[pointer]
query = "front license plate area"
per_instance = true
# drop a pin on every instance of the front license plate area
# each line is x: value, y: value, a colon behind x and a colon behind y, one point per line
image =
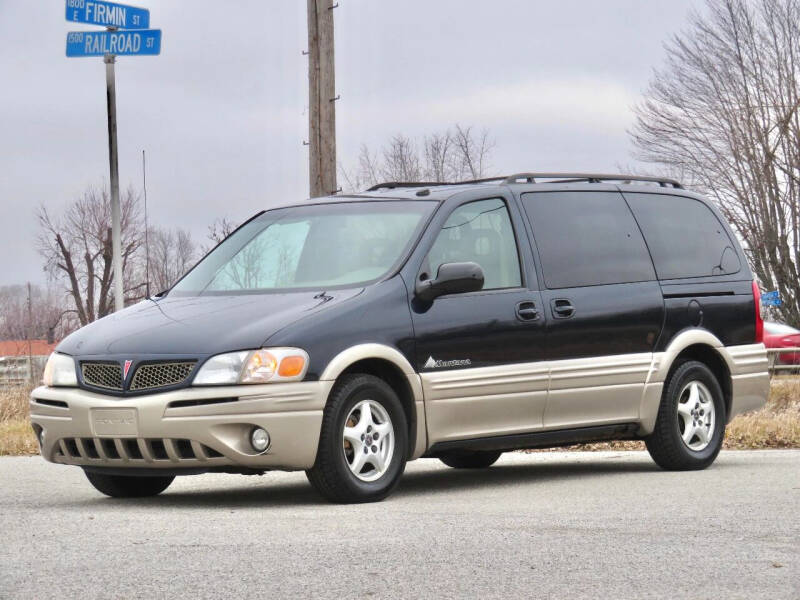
x: 114, y: 422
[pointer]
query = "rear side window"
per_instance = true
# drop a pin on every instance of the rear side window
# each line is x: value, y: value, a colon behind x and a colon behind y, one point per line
x: 587, y: 238
x: 685, y: 237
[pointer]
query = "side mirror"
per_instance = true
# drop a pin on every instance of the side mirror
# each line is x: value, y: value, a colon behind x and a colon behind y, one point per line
x: 452, y: 278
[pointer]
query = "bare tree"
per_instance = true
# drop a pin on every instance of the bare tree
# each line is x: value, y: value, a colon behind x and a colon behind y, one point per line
x: 452, y: 155
x: 401, y: 161
x: 172, y: 253
x: 470, y: 157
x: 438, y: 148
x: 724, y: 110
x: 369, y: 166
x: 76, y: 247
x: 46, y: 319
x: 218, y: 231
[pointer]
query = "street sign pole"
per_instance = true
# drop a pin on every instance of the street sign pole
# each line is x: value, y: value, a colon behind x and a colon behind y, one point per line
x: 135, y: 39
x: 116, y: 227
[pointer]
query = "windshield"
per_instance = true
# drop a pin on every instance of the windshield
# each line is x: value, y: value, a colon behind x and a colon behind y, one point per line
x: 318, y: 246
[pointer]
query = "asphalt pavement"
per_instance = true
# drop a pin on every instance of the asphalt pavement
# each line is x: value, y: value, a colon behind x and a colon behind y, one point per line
x: 558, y: 525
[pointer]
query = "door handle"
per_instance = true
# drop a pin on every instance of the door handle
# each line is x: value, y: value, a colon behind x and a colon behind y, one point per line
x: 526, y: 311
x: 562, y: 308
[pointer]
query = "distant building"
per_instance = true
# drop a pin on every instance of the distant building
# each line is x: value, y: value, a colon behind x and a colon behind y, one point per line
x: 21, y: 363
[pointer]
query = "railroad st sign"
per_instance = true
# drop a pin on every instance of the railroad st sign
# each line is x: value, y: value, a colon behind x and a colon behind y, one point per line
x: 126, y: 34
x: 107, y: 14
x: 771, y: 298
x: 120, y: 43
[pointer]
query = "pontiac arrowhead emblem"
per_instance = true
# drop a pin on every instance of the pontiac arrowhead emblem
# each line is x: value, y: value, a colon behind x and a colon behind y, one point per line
x: 126, y: 368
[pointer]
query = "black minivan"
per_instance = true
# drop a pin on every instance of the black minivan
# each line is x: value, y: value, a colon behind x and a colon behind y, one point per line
x: 347, y: 335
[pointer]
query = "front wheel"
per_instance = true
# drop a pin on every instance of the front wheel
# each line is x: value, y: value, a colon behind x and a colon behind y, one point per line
x: 119, y: 486
x: 691, y: 420
x: 363, y: 442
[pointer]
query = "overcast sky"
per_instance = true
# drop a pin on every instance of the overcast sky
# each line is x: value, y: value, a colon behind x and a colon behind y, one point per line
x: 222, y: 112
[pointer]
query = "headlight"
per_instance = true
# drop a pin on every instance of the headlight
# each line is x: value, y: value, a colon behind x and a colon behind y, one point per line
x: 254, y: 366
x: 60, y: 371
x: 221, y: 369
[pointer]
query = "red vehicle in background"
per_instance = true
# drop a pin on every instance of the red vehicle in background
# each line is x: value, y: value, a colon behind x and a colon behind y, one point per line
x: 778, y: 335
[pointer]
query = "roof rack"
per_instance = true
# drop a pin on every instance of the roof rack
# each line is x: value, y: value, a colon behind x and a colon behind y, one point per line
x: 531, y: 178
x: 390, y: 185
x: 589, y: 178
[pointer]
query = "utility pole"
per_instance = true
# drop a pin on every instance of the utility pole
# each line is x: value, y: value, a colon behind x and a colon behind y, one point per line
x: 146, y: 232
x: 321, y: 99
x: 116, y: 229
x: 28, y: 334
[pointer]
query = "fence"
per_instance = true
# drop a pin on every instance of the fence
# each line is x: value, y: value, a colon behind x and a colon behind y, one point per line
x: 775, y: 367
x: 20, y: 370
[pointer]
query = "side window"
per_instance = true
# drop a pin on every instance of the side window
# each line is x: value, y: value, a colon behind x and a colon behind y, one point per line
x: 480, y: 232
x: 685, y: 238
x: 587, y: 238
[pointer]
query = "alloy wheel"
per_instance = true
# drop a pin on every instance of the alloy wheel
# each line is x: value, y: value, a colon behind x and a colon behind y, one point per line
x: 368, y: 440
x: 696, y: 415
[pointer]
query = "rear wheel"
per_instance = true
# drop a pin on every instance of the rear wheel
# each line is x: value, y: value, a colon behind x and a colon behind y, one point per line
x: 363, y: 442
x: 691, y: 420
x: 465, y: 459
x: 120, y: 486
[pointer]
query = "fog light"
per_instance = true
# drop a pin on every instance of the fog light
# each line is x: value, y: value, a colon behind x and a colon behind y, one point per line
x: 259, y: 439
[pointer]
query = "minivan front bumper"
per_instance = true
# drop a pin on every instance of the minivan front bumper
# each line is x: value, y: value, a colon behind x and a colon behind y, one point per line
x: 196, y: 429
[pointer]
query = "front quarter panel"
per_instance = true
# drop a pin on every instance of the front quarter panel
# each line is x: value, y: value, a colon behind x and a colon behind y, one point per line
x: 379, y: 315
x: 376, y: 325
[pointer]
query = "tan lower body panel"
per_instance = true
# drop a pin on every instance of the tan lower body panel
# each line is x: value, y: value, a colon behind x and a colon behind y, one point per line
x: 484, y: 401
x: 422, y: 429
x: 648, y: 410
x: 749, y: 392
x: 146, y: 431
x: 593, y: 406
x: 749, y: 378
x: 596, y: 390
x: 490, y: 401
x: 747, y: 364
x: 627, y: 388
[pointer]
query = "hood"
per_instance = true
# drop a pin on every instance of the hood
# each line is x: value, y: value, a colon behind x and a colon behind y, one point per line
x: 197, y: 325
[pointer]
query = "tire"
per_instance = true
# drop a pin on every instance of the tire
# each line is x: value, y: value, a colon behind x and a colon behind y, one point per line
x: 465, y: 459
x: 334, y: 474
x: 666, y: 444
x: 120, y: 486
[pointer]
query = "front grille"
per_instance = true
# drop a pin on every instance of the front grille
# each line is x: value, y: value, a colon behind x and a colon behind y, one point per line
x: 128, y: 449
x: 103, y: 375
x: 157, y: 375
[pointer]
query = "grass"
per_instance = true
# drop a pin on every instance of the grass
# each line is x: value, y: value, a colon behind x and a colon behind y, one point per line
x: 16, y: 439
x: 16, y: 435
x: 777, y: 425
